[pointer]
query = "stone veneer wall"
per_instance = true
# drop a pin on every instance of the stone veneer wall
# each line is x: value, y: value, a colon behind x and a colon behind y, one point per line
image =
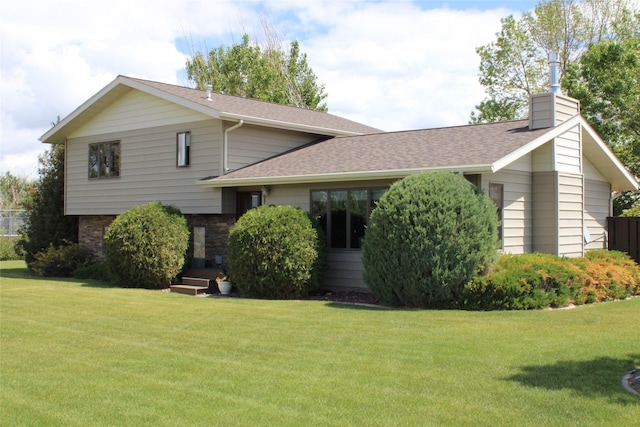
x: 216, y: 232
x: 91, y: 229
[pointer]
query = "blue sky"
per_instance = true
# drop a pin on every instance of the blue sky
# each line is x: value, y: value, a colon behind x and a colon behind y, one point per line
x: 391, y: 64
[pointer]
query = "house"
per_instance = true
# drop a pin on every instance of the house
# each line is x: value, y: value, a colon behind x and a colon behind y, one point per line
x: 215, y: 156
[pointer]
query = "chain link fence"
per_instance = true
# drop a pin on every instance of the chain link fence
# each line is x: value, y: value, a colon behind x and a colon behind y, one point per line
x: 10, y: 222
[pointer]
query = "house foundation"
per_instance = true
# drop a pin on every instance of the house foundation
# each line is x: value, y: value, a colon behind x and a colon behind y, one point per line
x: 92, y: 228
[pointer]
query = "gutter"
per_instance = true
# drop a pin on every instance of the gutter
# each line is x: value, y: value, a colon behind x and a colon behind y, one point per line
x: 220, y: 182
x: 225, y: 146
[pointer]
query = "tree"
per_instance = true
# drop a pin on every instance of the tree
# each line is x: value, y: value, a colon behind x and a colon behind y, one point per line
x: 45, y: 222
x: 266, y: 72
x: 15, y: 191
x: 606, y: 80
x: 514, y: 66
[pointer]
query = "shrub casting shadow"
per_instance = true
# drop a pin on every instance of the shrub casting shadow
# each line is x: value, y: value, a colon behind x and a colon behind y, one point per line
x: 597, y: 378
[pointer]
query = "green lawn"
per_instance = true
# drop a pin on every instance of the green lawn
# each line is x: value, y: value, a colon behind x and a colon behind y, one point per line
x: 80, y: 353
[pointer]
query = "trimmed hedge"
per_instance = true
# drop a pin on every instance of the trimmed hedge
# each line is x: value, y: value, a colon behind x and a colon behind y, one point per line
x: 427, y: 237
x: 532, y: 281
x: 146, y: 245
x: 275, y: 252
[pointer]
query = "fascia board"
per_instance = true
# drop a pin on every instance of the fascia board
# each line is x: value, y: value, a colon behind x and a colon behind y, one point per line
x: 535, y: 143
x: 48, y: 135
x: 286, y: 125
x: 600, y: 144
x: 221, y: 182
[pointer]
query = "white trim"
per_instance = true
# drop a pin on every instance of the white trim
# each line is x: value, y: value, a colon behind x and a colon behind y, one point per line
x: 332, y: 177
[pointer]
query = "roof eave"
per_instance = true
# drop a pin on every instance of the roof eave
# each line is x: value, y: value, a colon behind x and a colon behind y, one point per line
x: 288, y: 125
x: 223, y: 182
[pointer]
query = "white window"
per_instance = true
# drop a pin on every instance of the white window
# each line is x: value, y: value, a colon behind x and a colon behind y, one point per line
x: 184, y: 146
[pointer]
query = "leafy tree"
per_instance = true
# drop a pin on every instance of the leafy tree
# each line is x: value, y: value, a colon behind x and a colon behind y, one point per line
x: 45, y: 222
x: 15, y: 191
x: 514, y: 66
x: 267, y: 72
x: 606, y: 80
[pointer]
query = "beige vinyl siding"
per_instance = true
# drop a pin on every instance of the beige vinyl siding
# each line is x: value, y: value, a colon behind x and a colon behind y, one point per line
x: 345, y: 271
x: 570, y: 214
x: 137, y: 110
x: 597, y: 202
x: 250, y: 144
x: 550, y: 109
x: 568, y: 151
x: 542, y: 158
x: 148, y: 171
x: 517, y: 221
x: 545, y: 212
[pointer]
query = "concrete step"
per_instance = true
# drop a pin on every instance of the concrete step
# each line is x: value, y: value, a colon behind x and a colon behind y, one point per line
x: 188, y: 289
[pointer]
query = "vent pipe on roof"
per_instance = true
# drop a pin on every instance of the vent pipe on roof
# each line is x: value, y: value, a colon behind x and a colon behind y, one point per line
x: 554, y: 72
x: 209, y: 89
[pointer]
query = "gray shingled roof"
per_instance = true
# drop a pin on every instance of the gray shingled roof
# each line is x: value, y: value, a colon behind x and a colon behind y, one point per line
x: 461, y: 147
x: 251, y: 108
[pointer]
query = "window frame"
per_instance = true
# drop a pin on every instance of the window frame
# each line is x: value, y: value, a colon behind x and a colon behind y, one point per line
x: 183, y: 152
x: 111, y: 163
x: 349, y: 232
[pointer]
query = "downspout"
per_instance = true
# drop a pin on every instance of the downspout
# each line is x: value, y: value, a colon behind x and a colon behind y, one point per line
x: 225, y: 146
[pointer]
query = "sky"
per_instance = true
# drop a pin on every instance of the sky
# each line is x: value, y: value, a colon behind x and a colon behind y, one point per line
x: 394, y: 65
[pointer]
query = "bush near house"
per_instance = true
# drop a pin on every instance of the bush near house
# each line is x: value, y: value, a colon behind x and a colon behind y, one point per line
x: 146, y: 245
x: 59, y: 261
x: 275, y: 252
x: 428, y: 236
x: 532, y: 281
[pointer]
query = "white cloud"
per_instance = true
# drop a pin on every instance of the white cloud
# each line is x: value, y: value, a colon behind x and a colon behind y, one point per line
x: 393, y: 65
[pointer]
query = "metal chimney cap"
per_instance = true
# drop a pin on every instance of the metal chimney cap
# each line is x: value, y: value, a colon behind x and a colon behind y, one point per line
x: 554, y: 72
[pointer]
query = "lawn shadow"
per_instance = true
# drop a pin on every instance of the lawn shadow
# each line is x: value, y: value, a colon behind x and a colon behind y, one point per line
x: 597, y: 378
x: 19, y: 273
x: 357, y: 306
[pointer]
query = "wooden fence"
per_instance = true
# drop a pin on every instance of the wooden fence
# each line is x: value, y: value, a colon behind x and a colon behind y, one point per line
x: 624, y: 235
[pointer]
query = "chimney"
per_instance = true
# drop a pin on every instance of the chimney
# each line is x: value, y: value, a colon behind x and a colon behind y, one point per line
x: 209, y: 89
x: 554, y: 72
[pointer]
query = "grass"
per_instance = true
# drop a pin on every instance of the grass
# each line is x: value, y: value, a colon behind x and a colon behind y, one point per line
x: 81, y: 353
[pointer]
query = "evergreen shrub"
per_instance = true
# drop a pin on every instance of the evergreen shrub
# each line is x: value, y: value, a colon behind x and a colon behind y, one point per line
x: 526, y: 281
x: 59, y: 261
x: 427, y: 237
x: 532, y: 281
x: 275, y: 252
x: 145, y: 246
x: 8, y: 250
x: 610, y: 275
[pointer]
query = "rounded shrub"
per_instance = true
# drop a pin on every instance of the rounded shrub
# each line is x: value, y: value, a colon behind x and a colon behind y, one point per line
x: 275, y: 252
x: 145, y: 246
x: 428, y: 236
